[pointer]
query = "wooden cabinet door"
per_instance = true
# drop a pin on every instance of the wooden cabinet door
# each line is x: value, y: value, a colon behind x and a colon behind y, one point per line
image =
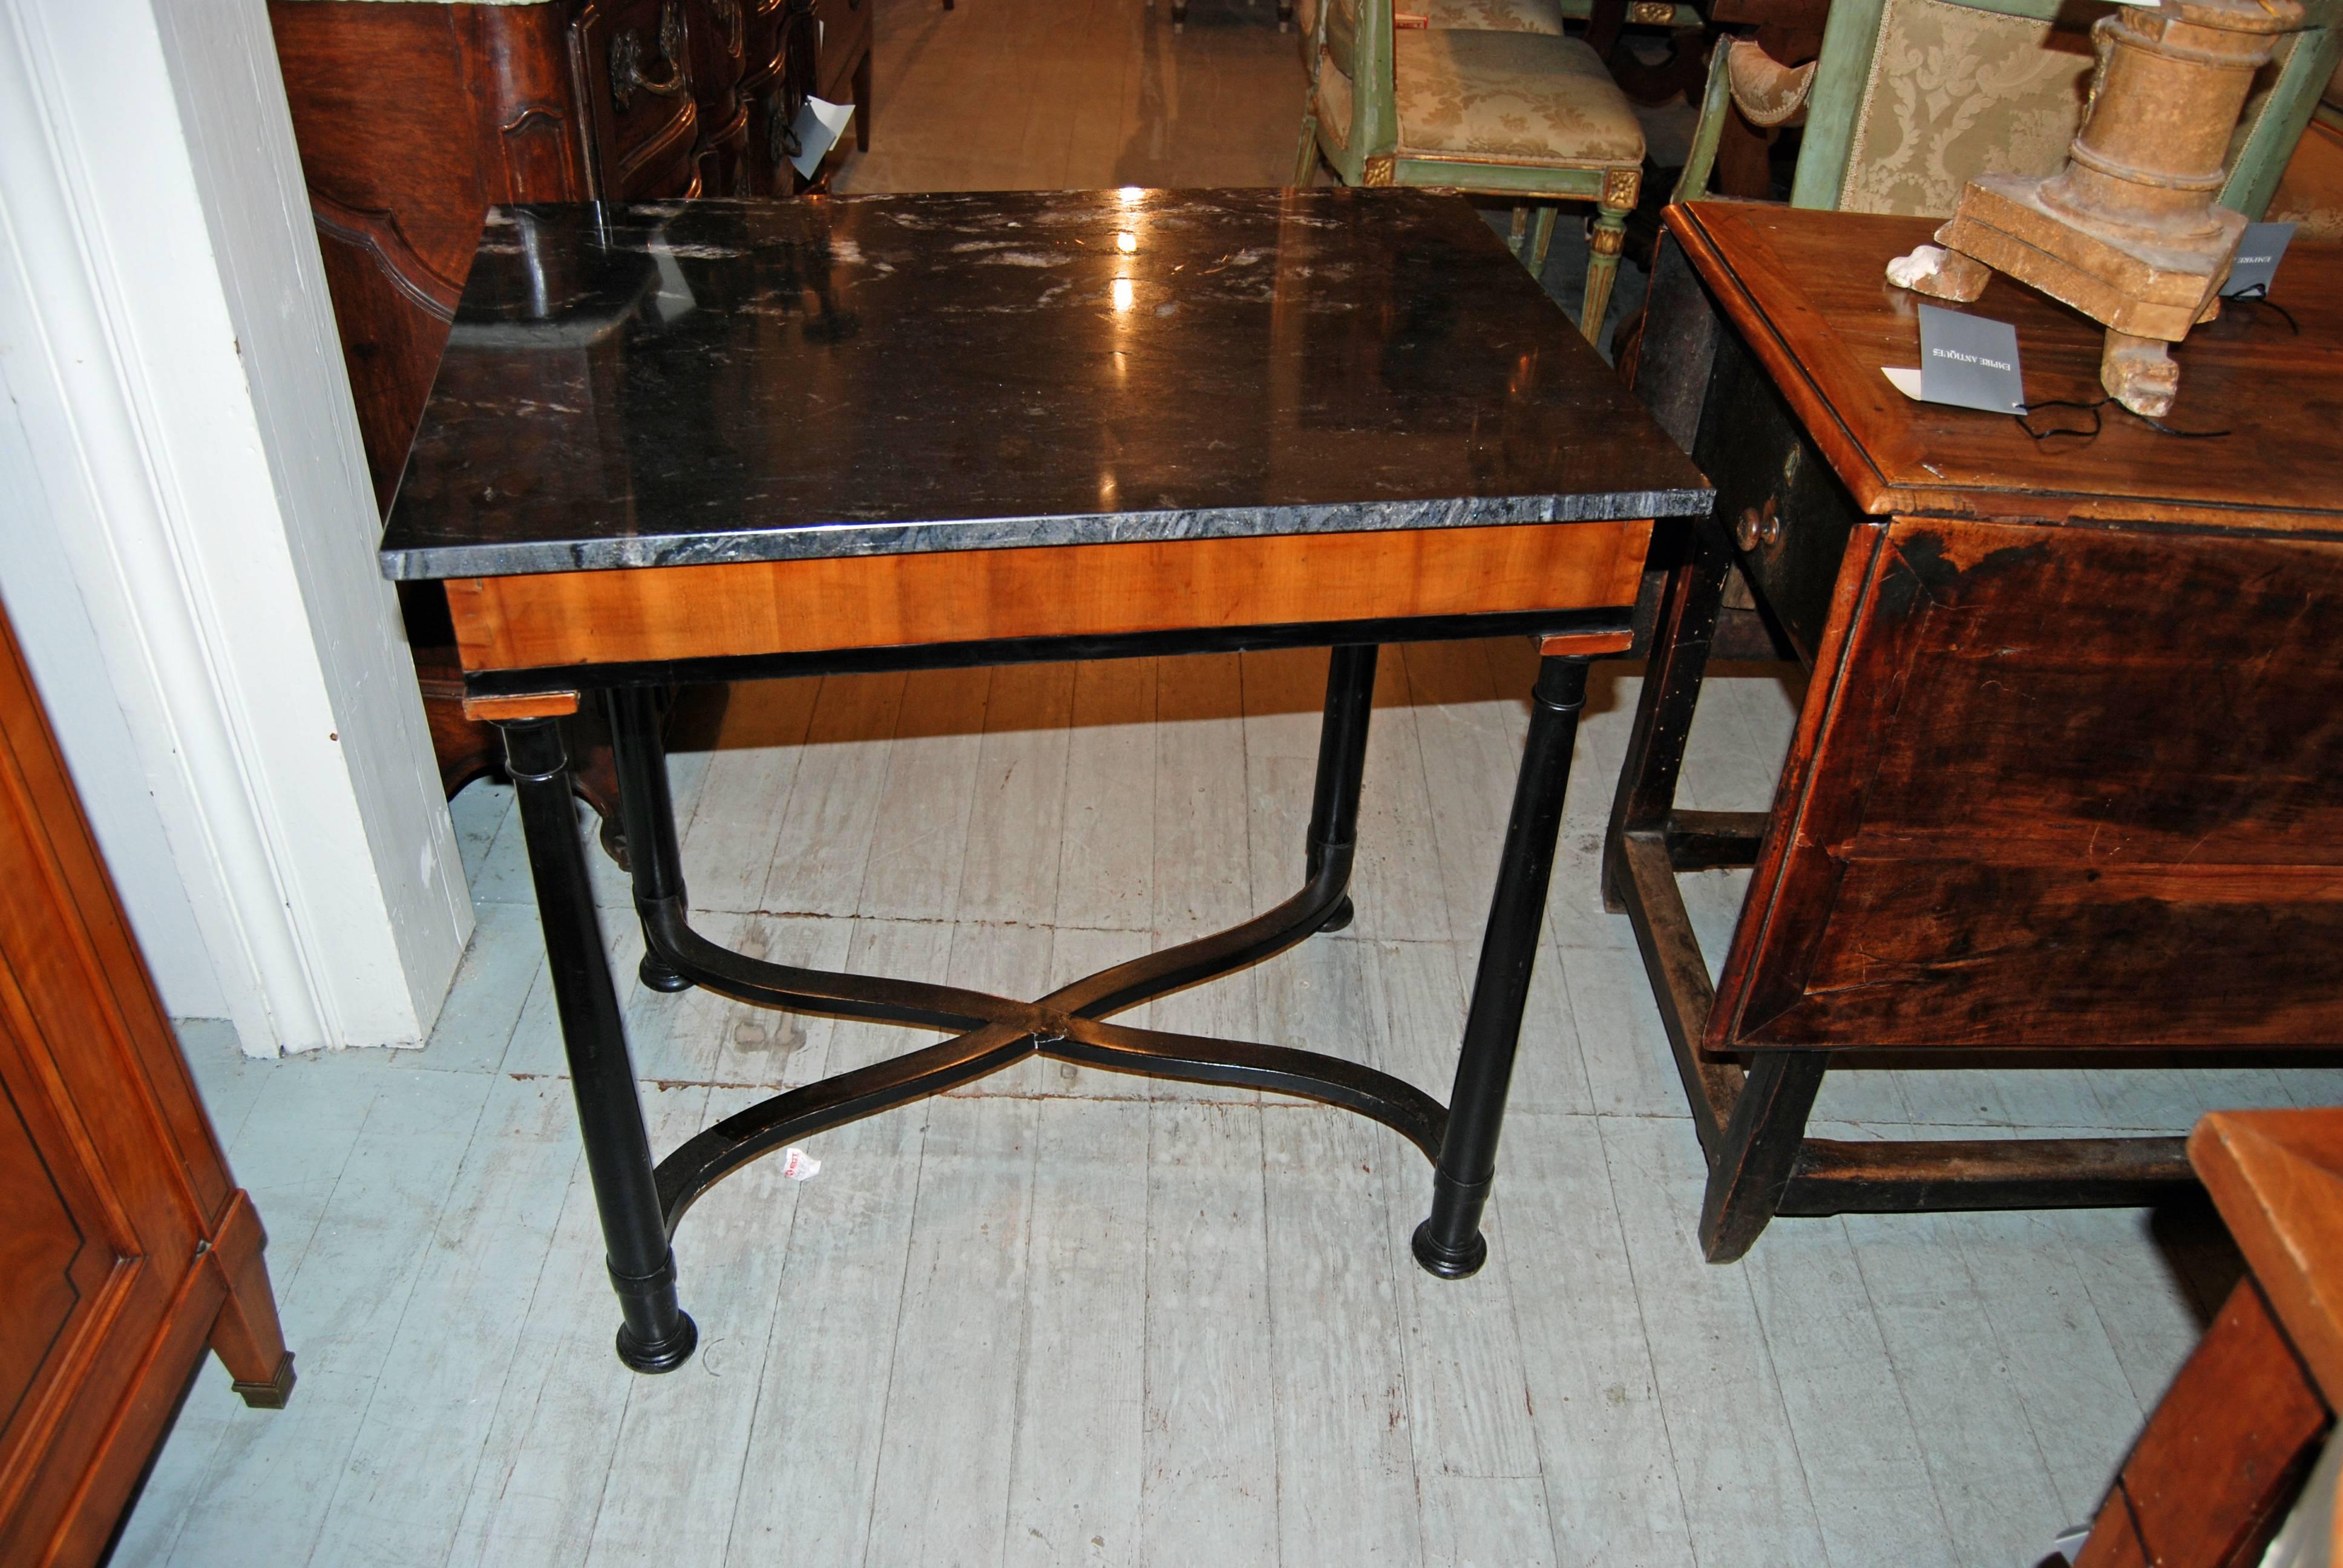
x: 2058, y: 786
x: 125, y: 1247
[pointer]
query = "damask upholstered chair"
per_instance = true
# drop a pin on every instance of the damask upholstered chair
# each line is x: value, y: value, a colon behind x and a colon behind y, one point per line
x: 1909, y: 98
x: 1532, y: 15
x: 1530, y: 115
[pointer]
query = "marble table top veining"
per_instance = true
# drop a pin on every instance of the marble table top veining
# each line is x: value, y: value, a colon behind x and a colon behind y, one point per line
x: 684, y: 383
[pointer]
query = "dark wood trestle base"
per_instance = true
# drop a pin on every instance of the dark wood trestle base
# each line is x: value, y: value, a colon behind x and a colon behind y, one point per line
x: 641, y: 1201
x: 1751, y: 1112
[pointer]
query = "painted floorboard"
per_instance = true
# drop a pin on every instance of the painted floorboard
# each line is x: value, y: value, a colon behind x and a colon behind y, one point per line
x: 942, y: 1490
x: 1074, y: 1473
x: 1208, y: 1485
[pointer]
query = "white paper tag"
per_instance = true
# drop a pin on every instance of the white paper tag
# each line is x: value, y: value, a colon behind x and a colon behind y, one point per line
x: 1903, y: 378
x: 796, y: 1164
x: 817, y: 127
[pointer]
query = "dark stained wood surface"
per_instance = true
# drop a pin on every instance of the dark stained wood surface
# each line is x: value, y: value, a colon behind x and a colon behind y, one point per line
x: 113, y: 1179
x: 2071, y: 787
x: 2066, y: 780
x: 1808, y: 292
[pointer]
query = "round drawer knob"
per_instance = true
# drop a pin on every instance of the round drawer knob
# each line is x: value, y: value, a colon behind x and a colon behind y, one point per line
x: 1758, y: 524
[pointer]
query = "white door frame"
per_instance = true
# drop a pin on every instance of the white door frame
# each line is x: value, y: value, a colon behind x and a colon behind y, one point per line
x: 189, y: 471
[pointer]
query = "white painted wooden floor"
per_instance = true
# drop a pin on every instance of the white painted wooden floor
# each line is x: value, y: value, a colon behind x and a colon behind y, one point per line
x: 1066, y: 1318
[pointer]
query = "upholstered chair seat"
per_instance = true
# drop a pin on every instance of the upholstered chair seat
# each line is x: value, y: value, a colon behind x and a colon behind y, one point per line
x: 1481, y: 16
x: 1511, y: 98
x: 1515, y: 112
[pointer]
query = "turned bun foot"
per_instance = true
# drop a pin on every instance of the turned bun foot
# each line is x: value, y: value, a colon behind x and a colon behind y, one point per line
x: 1940, y: 274
x: 2139, y: 373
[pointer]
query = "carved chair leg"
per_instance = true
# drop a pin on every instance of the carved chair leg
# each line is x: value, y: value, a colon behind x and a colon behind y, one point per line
x: 1602, y: 268
x: 1759, y: 1151
x: 1542, y: 237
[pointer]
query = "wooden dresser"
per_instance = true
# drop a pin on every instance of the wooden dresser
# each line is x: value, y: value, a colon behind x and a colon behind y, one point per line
x: 2064, y: 784
x: 414, y: 118
x: 125, y: 1247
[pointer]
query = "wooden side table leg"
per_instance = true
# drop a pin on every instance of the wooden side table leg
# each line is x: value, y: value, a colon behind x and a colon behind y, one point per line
x: 246, y: 1335
x: 1656, y: 748
x: 1759, y: 1149
x: 1341, y: 763
x: 2222, y: 1455
x: 1449, y: 1243
x: 657, y: 1335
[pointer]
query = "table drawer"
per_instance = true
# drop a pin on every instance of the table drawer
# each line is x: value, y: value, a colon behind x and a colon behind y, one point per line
x: 1775, y: 492
x: 633, y: 64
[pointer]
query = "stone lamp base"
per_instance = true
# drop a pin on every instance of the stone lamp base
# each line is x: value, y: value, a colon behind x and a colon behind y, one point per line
x: 2147, y: 292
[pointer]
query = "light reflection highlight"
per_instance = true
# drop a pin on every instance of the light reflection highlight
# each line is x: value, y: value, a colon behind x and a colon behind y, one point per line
x: 1126, y: 242
x: 1122, y: 295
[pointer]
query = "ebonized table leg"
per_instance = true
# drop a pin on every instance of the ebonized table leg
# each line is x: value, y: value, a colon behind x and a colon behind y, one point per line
x: 1341, y: 763
x: 646, y: 811
x: 657, y: 1334
x: 1449, y: 1243
x: 1679, y: 659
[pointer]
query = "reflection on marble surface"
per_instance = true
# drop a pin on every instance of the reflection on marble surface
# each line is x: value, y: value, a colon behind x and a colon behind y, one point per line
x: 676, y: 383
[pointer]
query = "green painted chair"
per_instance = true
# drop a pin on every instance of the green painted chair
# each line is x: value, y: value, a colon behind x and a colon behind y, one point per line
x: 1909, y: 98
x: 1522, y: 114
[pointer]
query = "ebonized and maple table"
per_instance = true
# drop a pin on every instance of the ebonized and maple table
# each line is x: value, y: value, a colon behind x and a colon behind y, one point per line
x: 2068, y: 784
x: 720, y: 441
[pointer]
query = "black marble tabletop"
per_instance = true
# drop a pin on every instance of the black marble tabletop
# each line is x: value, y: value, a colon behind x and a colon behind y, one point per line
x: 675, y: 383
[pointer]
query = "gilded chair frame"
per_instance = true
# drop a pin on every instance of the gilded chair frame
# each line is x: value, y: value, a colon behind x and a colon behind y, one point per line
x: 1370, y: 156
x: 2274, y: 122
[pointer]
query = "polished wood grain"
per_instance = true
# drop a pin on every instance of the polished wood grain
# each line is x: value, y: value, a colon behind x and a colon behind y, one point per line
x: 128, y: 1246
x: 1811, y: 300
x: 2033, y: 816
x: 563, y: 619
